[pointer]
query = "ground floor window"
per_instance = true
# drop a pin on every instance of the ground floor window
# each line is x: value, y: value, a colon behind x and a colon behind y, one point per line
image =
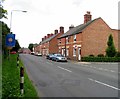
x: 67, y: 52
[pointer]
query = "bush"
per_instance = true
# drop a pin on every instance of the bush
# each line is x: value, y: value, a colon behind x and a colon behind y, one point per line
x: 101, y: 59
x: 117, y: 54
x: 91, y: 55
x: 100, y: 55
x: 111, y: 50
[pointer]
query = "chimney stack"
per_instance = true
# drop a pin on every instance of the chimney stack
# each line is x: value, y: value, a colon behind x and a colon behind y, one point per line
x: 42, y: 39
x: 87, y: 17
x: 62, y: 30
x: 45, y: 37
x: 48, y: 35
x: 56, y: 31
x: 70, y: 27
x: 51, y: 34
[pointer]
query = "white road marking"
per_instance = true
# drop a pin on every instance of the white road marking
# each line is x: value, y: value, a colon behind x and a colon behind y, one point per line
x: 64, y: 69
x: 100, y: 68
x: 104, y: 84
x: 112, y: 71
x: 106, y: 69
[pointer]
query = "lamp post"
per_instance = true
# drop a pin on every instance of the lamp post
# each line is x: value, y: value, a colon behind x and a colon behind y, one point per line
x: 11, y: 17
x: 10, y: 47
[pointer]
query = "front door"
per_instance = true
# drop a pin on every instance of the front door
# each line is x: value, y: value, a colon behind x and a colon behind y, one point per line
x: 79, y: 54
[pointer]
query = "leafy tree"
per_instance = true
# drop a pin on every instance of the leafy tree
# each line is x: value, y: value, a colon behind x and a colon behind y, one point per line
x: 4, y: 29
x: 31, y: 47
x: 17, y: 46
x: 3, y: 12
x: 110, y: 51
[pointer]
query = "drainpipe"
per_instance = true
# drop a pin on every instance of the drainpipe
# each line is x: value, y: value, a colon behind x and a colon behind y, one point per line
x: 65, y: 46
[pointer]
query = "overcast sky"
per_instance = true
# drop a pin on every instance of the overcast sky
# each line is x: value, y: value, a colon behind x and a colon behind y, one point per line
x: 44, y: 16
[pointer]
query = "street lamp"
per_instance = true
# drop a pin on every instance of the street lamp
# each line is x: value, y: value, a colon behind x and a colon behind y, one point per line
x: 11, y: 17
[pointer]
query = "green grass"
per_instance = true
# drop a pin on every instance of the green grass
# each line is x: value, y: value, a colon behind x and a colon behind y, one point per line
x: 11, y: 80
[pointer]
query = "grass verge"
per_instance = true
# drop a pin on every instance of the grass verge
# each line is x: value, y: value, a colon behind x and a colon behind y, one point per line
x: 11, y: 80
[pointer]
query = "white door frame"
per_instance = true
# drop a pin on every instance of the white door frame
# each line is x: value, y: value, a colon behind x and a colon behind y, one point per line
x: 79, y: 53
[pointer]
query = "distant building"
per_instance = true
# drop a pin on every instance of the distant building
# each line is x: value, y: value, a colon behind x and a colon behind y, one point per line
x: 24, y: 50
x: 49, y: 43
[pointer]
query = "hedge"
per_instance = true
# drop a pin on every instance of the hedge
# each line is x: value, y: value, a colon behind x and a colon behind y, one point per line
x: 101, y: 59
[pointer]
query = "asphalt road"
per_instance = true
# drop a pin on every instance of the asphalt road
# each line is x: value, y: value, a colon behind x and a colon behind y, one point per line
x: 72, y: 79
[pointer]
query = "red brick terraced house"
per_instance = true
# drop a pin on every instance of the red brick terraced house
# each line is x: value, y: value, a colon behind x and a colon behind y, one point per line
x: 49, y: 43
x: 89, y: 38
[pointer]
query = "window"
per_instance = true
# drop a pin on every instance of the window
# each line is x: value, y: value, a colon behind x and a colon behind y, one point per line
x: 74, y: 38
x: 67, y: 40
x: 67, y: 52
x: 60, y: 41
x: 74, y: 51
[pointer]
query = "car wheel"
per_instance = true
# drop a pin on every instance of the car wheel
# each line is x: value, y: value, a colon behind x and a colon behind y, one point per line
x: 57, y: 60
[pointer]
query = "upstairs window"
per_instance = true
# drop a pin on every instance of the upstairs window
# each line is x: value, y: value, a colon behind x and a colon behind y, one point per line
x: 74, y: 38
x: 67, y: 40
x: 60, y: 41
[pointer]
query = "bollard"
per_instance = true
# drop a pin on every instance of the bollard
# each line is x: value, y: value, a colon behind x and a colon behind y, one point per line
x: 18, y: 61
x: 22, y: 80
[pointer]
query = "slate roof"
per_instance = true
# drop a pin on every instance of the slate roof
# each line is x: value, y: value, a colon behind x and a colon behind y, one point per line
x: 48, y: 39
x: 77, y: 29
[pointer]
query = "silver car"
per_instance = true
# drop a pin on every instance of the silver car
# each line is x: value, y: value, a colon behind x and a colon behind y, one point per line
x: 59, y: 57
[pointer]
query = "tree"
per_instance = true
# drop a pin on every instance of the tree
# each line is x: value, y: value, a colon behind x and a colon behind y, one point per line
x: 110, y: 51
x: 3, y: 12
x: 4, y: 29
x: 17, y: 46
x: 31, y: 47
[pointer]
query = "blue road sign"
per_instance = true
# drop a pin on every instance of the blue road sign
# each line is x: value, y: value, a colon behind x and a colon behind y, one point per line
x: 10, y: 40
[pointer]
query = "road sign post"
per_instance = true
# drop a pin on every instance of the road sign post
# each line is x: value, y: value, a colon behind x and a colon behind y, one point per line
x: 10, y: 42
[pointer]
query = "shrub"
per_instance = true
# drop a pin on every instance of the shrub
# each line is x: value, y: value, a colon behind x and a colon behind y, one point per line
x: 117, y: 54
x: 100, y: 55
x: 101, y: 59
x: 111, y: 50
x: 91, y: 55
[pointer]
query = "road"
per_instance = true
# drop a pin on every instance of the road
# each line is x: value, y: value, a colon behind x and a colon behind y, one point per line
x: 72, y: 79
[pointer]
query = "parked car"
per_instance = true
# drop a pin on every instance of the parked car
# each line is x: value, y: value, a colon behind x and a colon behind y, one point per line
x: 38, y: 54
x: 49, y: 56
x: 13, y: 52
x: 32, y: 53
x: 59, y: 57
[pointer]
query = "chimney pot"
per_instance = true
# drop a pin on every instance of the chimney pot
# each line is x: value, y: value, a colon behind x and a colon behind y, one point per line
x: 42, y: 39
x: 51, y: 34
x: 48, y: 35
x: 88, y: 12
x: 45, y: 37
x: 56, y: 31
x: 70, y: 27
x: 61, y: 29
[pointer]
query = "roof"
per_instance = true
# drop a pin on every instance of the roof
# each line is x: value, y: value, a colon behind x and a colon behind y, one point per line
x: 77, y: 29
x: 48, y: 39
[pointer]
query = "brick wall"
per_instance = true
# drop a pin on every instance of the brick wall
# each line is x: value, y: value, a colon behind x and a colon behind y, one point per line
x: 95, y: 38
